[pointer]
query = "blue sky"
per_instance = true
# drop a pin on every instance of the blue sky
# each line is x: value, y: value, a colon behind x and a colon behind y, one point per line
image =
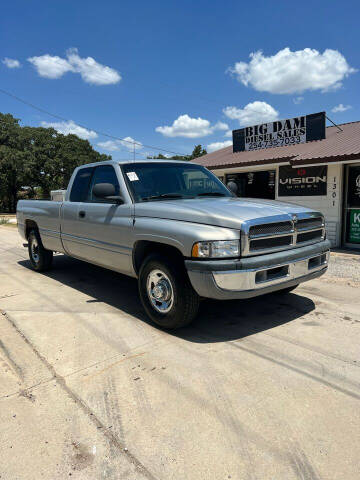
x: 171, y: 59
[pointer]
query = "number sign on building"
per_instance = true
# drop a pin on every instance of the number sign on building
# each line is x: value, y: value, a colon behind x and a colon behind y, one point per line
x: 280, y: 133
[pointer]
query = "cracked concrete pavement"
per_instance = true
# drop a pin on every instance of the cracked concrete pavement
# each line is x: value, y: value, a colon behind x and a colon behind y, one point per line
x: 267, y: 388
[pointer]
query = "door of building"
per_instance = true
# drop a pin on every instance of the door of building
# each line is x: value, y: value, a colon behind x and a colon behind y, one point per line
x: 352, y: 207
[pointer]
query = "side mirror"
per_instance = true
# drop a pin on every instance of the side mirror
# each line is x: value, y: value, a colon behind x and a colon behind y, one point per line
x: 107, y: 191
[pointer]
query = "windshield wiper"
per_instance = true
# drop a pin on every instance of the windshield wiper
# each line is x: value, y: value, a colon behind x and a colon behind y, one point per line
x: 163, y: 195
x: 211, y: 194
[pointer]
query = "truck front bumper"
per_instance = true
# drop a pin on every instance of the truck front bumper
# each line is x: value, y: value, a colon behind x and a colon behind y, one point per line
x: 253, y: 276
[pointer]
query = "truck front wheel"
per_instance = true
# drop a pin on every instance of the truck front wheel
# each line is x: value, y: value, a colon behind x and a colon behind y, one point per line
x: 166, y: 293
x: 40, y: 258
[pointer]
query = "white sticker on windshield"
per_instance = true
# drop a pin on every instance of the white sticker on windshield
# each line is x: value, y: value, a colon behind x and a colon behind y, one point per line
x: 132, y: 176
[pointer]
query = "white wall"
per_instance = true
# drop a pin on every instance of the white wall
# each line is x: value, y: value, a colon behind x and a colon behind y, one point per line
x: 330, y: 205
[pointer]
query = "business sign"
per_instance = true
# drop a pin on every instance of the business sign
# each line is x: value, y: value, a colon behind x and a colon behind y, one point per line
x: 354, y: 226
x: 280, y: 133
x: 302, y: 181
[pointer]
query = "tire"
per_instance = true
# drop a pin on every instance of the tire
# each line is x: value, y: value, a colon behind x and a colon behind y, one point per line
x: 174, y: 304
x: 287, y: 290
x: 40, y: 258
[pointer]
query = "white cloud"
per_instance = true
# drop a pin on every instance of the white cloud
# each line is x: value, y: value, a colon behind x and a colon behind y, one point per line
x: 110, y: 145
x: 92, y: 72
x: 220, y: 126
x: 130, y: 146
x: 114, y: 145
x: 298, y: 100
x: 293, y: 72
x: 228, y: 134
x: 252, y: 114
x: 50, y: 67
x: 217, y: 145
x: 185, y: 126
x: 70, y: 127
x: 11, y: 62
x: 341, y: 108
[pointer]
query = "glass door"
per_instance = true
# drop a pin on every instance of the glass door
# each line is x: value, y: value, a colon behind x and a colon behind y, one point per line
x: 352, y: 207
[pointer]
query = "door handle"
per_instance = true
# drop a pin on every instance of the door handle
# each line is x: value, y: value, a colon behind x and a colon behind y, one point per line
x: 82, y: 214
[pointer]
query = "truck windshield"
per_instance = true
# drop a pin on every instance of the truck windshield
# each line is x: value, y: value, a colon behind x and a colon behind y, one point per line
x: 166, y: 180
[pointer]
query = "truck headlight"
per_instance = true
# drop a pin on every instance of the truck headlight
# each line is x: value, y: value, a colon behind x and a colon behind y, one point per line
x: 216, y: 249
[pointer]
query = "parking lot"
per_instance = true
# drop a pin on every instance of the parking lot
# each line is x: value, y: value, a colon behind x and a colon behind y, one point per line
x: 264, y: 389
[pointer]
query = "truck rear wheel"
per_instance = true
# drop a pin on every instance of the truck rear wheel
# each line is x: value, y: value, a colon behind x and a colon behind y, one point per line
x: 40, y: 258
x: 166, y: 293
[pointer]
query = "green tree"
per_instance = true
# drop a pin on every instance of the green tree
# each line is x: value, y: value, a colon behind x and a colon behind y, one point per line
x: 12, y: 160
x: 52, y: 157
x: 40, y: 159
x: 198, y: 151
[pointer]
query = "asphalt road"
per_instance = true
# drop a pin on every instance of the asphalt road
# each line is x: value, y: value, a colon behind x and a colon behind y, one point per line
x: 264, y: 389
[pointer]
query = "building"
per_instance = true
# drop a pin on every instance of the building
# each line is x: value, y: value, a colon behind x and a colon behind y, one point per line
x: 322, y: 174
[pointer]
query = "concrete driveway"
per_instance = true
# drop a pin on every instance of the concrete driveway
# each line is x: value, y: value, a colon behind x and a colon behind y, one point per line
x: 262, y: 389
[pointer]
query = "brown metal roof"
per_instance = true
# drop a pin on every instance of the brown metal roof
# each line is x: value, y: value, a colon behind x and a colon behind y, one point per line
x: 337, y: 146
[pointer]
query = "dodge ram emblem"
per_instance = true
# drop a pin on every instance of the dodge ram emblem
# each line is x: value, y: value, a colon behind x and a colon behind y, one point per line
x: 294, y: 218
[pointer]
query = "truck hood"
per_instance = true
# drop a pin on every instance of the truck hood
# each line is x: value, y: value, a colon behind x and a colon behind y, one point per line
x: 226, y: 212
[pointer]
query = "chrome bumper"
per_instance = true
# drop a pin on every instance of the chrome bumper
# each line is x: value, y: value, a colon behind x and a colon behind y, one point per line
x: 253, y: 276
x: 259, y: 278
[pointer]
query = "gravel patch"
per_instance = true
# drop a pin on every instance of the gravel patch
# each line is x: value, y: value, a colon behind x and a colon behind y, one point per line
x: 344, y: 266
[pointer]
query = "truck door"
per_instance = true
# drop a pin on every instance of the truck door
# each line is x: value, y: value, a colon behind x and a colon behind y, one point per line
x: 99, y: 230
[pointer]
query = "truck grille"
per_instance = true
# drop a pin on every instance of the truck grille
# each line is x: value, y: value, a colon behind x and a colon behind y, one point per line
x: 270, y: 242
x: 309, y: 223
x: 271, y: 229
x: 306, y: 237
x: 279, y: 235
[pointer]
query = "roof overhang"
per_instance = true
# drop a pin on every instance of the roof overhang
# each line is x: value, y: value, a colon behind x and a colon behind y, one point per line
x: 255, y: 163
x: 290, y: 160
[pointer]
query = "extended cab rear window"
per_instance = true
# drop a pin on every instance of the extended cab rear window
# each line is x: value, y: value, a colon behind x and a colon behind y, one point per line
x: 80, y: 186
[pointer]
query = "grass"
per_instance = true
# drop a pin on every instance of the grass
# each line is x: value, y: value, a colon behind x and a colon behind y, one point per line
x: 6, y: 221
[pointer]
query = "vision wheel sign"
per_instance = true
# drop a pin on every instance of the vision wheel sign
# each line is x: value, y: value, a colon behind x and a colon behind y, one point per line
x: 302, y: 181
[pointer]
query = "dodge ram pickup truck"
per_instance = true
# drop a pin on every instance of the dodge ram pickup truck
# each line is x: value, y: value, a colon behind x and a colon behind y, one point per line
x: 177, y: 229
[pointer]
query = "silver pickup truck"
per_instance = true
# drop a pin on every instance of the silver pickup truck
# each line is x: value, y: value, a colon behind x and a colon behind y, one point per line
x: 180, y: 231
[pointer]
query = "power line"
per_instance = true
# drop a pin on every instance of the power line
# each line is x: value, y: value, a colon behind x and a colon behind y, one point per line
x: 138, y: 154
x: 42, y: 110
x: 112, y: 136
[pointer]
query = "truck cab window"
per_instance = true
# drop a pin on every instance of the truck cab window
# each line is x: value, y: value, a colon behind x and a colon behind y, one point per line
x: 103, y: 174
x: 159, y: 180
x: 80, y: 185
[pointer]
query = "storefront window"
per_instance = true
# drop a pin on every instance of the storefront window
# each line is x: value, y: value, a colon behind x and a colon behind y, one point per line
x: 353, y: 205
x: 254, y: 184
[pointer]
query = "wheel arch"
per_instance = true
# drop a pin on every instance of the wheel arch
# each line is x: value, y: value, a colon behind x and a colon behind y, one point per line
x: 144, y: 248
x: 30, y: 225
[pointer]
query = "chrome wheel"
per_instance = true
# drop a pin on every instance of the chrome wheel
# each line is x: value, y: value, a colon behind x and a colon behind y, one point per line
x: 35, y: 250
x: 160, y: 291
